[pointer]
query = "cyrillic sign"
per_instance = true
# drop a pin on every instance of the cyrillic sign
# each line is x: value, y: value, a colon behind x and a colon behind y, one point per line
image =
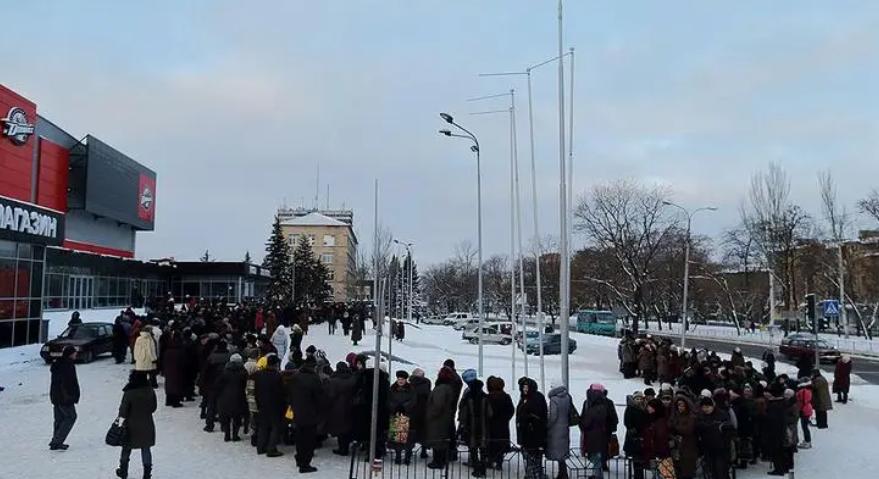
x: 30, y: 223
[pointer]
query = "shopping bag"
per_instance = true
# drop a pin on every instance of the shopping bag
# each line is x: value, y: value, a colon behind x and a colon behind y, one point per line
x: 666, y: 469
x: 398, y: 430
x: 117, y: 435
x: 613, y: 446
x: 289, y: 414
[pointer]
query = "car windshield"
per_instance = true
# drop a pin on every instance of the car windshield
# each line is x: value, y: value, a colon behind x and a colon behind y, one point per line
x: 79, y: 332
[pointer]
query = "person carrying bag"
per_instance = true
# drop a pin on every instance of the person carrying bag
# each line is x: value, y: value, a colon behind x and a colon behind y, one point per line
x: 134, y: 428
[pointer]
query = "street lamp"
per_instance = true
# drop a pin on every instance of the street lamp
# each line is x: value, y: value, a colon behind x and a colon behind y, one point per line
x: 689, y: 215
x: 408, y: 247
x: 475, y: 149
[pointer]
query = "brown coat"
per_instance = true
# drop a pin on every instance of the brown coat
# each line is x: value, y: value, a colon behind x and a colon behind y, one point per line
x: 821, y: 400
x: 683, y: 429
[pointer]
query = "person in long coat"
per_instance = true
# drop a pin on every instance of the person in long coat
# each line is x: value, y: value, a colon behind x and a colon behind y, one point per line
x: 213, y: 367
x: 422, y: 386
x: 120, y: 339
x: 269, y: 393
x: 714, y: 432
x: 174, y: 370
x: 357, y: 329
x: 531, y: 424
x: 474, y: 418
x: 682, y: 426
x: 558, y: 438
x: 598, y: 420
x: 280, y: 339
x: 64, y: 395
x: 307, y: 399
x: 647, y: 363
x: 340, y: 390
x: 231, y: 393
x: 136, y: 409
x: 656, y: 436
x: 821, y: 399
x: 440, y: 413
x: 502, y: 411
x: 363, y: 400
x: 636, y: 420
x: 842, y: 379
x: 402, y: 401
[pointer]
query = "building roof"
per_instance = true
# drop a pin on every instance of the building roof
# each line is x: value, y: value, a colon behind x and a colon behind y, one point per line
x: 313, y: 219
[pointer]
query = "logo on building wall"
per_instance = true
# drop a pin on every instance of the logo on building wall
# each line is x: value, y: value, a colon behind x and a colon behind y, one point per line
x: 16, y: 127
x: 146, y: 198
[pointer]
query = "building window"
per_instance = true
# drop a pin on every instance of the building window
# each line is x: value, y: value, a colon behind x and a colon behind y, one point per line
x: 329, y: 240
x: 326, y: 258
x: 294, y: 238
x: 311, y: 239
x: 332, y: 274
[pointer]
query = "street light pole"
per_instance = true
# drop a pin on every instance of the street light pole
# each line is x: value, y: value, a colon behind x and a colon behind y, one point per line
x: 408, y: 247
x: 564, y: 294
x: 475, y: 149
x: 685, y: 300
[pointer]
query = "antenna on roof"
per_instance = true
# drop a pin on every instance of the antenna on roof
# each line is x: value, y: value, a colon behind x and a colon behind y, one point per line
x: 317, y: 188
x: 328, y: 196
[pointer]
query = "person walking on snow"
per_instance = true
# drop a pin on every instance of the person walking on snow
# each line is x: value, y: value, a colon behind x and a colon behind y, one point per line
x: 136, y: 409
x: 64, y: 394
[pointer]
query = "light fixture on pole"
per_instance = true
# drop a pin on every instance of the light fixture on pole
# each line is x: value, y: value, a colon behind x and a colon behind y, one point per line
x: 408, y: 247
x: 475, y: 149
x: 689, y: 215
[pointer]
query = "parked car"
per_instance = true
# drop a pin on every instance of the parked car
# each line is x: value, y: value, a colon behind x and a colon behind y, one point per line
x: 798, y: 345
x: 552, y: 344
x: 452, y: 318
x: 89, y: 339
x: 436, y: 319
x: 491, y: 333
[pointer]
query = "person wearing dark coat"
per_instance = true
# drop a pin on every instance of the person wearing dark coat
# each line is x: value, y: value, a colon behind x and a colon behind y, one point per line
x: 805, y: 364
x: 474, y: 418
x: 232, y: 397
x: 714, y: 433
x: 74, y: 319
x: 682, y: 426
x: 120, y: 340
x: 339, y: 390
x: 306, y: 400
x: 656, y: 435
x: 213, y: 368
x: 136, y: 409
x: 269, y: 392
x: 775, y: 431
x: 439, y: 415
x: 402, y: 401
x: 422, y: 386
x: 822, y: 401
x: 459, y: 386
x: 502, y: 411
x: 842, y: 379
x: 636, y: 419
x: 598, y: 421
x: 190, y: 365
x: 363, y: 406
x: 174, y: 369
x: 400, y: 331
x: 64, y: 395
x: 531, y: 421
x: 356, y: 329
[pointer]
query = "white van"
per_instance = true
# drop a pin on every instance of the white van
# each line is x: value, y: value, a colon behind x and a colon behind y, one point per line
x: 453, y: 318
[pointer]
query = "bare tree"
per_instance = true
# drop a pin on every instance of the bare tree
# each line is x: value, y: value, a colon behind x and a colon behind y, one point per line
x: 836, y: 216
x: 628, y: 220
x: 870, y: 205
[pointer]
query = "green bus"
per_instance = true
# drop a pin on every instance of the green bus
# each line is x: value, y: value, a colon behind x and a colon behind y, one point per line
x: 597, y: 322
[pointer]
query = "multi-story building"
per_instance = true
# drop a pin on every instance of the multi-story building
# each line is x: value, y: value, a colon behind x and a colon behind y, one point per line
x: 332, y: 239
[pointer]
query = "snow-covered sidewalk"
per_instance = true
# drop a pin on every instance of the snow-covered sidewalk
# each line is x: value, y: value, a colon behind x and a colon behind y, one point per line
x: 184, y: 450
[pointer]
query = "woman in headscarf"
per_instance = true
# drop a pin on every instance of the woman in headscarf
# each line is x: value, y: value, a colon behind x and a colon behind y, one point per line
x: 136, y: 410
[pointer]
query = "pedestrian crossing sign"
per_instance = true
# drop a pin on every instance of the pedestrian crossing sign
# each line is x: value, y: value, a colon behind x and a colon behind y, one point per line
x: 831, y: 307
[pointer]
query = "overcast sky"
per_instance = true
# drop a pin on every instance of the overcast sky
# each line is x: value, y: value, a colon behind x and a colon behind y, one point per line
x: 234, y: 104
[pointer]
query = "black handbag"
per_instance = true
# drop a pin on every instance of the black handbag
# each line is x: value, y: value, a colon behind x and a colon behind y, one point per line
x: 117, y: 435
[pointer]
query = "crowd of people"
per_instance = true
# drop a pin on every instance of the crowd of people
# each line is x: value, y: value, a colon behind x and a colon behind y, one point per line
x: 712, y: 414
x: 253, y: 371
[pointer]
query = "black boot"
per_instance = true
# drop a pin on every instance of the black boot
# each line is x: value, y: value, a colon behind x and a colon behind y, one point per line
x: 122, y: 471
x: 148, y: 472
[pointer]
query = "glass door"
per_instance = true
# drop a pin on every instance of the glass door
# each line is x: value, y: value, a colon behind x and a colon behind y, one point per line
x: 81, y: 292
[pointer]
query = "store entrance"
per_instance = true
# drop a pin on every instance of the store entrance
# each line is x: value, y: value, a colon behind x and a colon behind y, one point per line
x: 81, y: 291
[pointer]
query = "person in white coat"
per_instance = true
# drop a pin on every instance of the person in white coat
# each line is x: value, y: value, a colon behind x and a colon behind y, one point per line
x: 146, y: 354
x: 281, y: 340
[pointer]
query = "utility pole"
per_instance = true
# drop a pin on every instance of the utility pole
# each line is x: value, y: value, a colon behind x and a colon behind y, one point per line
x: 564, y: 293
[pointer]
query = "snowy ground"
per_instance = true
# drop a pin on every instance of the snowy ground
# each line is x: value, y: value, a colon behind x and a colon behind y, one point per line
x: 183, y: 450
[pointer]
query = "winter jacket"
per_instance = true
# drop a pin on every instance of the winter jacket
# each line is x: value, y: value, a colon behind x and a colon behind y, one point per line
x: 774, y: 428
x: 656, y: 438
x: 230, y: 389
x: 307, y: 397
x: 402, y: 400
x: 280, y: 339
x: 531, y: 418
x: 714, y: 432
x: 595, y: 423
x: 636, y: 421
x: 213, y: 368
x: 357, y: 330
x: 558, y: 438
x: 646, y: 359
x: 145, y: 355
x: 137, y: 407
x: 842, y: 376
x: 340, y: 412
x: 804, y: 401
x: 502, y: 411
x: 269, y: 392
x: 174, y: 368
x: 64, y: 388
x: 474, y: 417
x: 683, y: 428
x: 421, y: 386
x: 821, y: 399
x: 440, y: 413
x: 363, y: 403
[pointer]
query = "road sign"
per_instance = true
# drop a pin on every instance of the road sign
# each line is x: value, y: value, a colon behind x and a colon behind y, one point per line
x: 831, y: 307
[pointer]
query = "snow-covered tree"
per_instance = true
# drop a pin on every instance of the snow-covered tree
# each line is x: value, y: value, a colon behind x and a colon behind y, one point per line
x: 312, y: 279
x: 277, y: 261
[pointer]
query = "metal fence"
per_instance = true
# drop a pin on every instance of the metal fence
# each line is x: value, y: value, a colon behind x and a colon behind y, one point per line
x: 513, y: 465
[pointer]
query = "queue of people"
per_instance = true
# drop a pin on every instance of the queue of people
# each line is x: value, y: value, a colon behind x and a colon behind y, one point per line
x: 711, y: 414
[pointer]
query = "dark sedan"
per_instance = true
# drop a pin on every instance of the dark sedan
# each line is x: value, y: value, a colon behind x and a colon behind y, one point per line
x: 552, y: 344
x: 89, y: 339
x: 796, y: 346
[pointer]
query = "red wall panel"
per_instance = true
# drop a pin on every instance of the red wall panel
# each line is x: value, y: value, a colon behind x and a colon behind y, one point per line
x: 16, y: 160
x: 52, y: 182
x: 93, y: 248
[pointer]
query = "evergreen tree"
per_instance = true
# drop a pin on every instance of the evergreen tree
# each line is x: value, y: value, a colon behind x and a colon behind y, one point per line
x: 247, y: 257
x: 404, y: 285
x: 277, y: 261
x: 312, y: 277
x: 206, y: 257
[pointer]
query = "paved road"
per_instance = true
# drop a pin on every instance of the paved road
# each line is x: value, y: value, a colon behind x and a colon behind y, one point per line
x: 866, y: 369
